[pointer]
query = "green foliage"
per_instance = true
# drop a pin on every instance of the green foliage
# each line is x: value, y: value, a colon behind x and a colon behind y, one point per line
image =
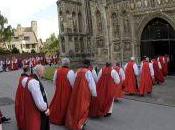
x: 52, y: 45
x: 33, y: 51
x: 15, y: 51
x: 3, y: 51
x: 6, y: 32
x: 49, y: 73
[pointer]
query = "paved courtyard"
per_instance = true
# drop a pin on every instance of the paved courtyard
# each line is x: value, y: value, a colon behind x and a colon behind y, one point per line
x: 133, y: 113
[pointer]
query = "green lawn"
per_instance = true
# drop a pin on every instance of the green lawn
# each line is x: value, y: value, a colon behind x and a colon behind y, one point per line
x: 49, y: 73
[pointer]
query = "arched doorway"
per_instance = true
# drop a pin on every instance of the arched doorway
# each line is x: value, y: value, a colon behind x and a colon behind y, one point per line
x: 158, y: 38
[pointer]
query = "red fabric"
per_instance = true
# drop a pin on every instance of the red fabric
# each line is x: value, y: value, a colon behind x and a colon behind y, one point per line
x: 146, y: 82
x: 157, y: 72
x: 130, y: 83
x: 0, y: 117
x: 166, y: 66
x: 78, y: 109
x: 59, y: 104
x: 105, y: 94
x: 119, y: 91
x: 19, y: 104
x: 31, y: 112
x: 163, y: 65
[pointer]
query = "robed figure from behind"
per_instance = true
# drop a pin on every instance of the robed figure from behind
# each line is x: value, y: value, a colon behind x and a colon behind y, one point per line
x: 84, y: 89
x: 63, y: 80
x: 36, y: 107
x: 19, y: 100
x: 102, y: 105
x: 146, y: 78
x: 131, y: 73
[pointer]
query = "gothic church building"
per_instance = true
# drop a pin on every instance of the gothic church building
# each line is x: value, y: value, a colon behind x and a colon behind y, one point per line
x: 117, y: 29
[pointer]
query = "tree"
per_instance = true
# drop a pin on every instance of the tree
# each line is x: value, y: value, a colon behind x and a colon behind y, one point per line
x: 15, y: 51
x: 6, y: 33
x: 52, y: 45
x: 33, y: 51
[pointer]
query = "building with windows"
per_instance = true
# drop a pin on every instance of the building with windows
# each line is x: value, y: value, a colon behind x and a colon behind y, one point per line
x: 25, y: 39
x: 117, y: 29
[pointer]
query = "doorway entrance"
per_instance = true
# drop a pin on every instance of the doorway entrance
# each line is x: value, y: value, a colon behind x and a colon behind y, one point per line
x: 158, y: 38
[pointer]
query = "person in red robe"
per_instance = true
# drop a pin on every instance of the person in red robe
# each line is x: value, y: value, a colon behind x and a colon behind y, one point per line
x: 146, y: 78
x: 159, y: 78
x: 0, y: 120
x: 131, y: 73
x: 161, y: 59
x: 63, y: 80
x: 19, y: 99
x: 166, y: 70
x: 84, y: 89
x: 108, y: 79
x: 36, y: 111
x: 119, y: 87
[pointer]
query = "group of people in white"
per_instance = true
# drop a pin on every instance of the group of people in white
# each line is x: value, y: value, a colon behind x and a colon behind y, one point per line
x: 84, y: 93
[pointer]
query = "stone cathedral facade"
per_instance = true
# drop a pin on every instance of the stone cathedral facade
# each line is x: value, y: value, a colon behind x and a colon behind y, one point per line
x: 108, y: 29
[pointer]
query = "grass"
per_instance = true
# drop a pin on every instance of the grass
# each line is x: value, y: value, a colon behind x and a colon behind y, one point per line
x: 49, y: 73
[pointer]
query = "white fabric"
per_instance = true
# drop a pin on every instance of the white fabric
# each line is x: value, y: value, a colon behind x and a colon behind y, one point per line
x: 70, y: 77
x: 1, y: 65
x: 114, y: 75
x: 94, y: 74
x: 111, y: 108
x: 34, y: 88
x: 160, y: 66
x: 122, y: 73
x: 135, y: 67
x: 91, y: 82
x: 24, y: 81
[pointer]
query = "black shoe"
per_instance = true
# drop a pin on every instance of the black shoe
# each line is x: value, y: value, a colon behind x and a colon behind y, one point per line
x: 84, y: 127
x: 108, y: 115
x: 5, y: 119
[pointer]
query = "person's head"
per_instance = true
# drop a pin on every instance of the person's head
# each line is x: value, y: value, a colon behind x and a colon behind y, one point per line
x: 108, y: 64
x: 26, y: 69
x: 39, y: 70
x: 132, y: 58
x: 147, y: 59
x: 86, y: 63
x: 118, y: 64
x: 65, y: 62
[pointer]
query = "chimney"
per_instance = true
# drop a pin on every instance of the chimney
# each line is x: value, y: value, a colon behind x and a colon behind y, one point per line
x: 34, y: 27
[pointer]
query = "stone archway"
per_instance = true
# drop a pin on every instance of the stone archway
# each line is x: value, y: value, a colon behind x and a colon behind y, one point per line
x: 156, y: 36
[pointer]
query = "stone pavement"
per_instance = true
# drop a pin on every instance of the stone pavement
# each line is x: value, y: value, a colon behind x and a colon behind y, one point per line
x: 127, y: 115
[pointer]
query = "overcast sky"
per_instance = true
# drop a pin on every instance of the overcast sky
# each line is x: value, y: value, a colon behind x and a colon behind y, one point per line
x: 24, y: 11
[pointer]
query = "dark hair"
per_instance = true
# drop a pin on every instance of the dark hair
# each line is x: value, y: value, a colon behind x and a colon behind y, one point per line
x: 26, y: 69
x: 86, y: 63
x: 117, y: 64
x: 108, y: 64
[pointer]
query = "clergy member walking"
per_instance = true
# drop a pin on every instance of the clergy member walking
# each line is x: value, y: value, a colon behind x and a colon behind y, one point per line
x: 102, y: 105
x: 147, y: 77
x: 63, y: 80
x: 19, y: 100
x: 131, y: 73
x: 36, y: 107
x: 84, y: 89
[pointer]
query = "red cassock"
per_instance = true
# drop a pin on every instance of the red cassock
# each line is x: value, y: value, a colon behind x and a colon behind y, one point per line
x: 0, y: 117
x: 105, y: 94
x: 31, y: 112
x: 119, y: 91
x: 157, y: 72
x: 146, y: 82
x: 166, y: 66
x: 59, y: 104
x: 130, y: 83
x: 162, y: 60
x: 78, y: 109
x: 19, y: 104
